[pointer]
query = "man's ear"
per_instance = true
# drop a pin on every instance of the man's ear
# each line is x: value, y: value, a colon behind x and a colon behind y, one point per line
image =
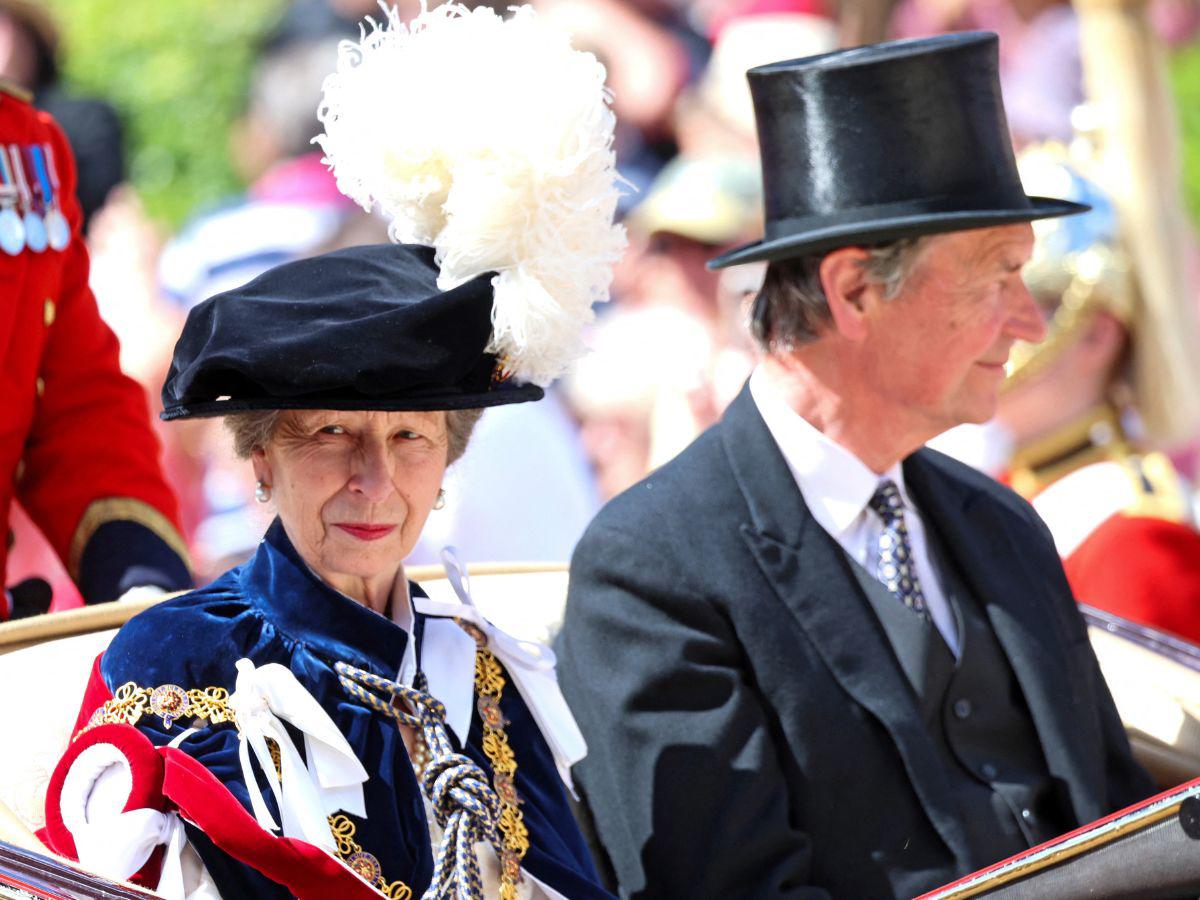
x: 847, y: 290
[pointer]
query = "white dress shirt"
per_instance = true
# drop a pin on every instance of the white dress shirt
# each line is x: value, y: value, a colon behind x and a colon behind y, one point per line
x: 837, y: 485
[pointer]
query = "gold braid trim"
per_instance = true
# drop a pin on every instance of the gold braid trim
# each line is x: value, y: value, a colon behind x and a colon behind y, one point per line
x: 362, y: 863
x: 15, y: 90
x: 169, y: 702
x: 122, y: 509
x: 489, y: 685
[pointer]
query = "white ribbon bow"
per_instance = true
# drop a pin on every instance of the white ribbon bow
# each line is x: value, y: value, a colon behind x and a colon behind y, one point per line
x: 331, y: 781
x: 109, y: 840
x: 117, y: 846
x: 530, y: 664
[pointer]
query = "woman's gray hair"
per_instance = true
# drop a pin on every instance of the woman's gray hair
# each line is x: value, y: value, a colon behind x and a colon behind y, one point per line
x: 791, y: 308
x: 459, y: 425
x: 251, y: 430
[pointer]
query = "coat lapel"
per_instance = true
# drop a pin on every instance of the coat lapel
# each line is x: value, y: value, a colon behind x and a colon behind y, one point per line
x: 810, y: 574
x: 977, y: 530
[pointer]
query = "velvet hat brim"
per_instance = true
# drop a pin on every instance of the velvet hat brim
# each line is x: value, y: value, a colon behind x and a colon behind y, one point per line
x: 366, y: 328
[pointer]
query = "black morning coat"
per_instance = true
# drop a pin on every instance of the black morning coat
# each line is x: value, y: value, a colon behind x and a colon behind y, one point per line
x: 750, y: 731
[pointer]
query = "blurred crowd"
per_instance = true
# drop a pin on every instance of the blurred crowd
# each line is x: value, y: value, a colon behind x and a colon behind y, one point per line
x: 668, y: 352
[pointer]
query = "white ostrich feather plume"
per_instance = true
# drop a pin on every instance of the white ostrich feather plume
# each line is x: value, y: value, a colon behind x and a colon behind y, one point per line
x: 489, y: 140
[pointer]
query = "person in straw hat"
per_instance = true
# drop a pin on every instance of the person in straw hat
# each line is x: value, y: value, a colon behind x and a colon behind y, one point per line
x: 837, y: 664
x: 311, y: 724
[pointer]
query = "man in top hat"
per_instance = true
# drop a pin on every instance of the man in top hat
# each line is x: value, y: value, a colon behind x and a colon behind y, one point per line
x: 76, y: 446
x: 812, y: 658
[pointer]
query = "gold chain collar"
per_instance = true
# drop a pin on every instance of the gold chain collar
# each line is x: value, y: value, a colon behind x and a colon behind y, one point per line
x: 172, y: 703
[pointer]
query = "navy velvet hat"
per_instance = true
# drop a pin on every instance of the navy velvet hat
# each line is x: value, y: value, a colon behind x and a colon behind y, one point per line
x: 873, y: 144
x: 365, y: 328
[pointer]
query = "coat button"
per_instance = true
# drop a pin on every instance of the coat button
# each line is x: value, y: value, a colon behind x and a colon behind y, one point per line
x: 962, y: 707
x: 988, y: 771
x: 48, y: 312
x: 1028, y: 816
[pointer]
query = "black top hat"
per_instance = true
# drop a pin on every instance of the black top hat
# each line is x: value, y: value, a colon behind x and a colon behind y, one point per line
x: 365, y: 328
x: 873, y: 144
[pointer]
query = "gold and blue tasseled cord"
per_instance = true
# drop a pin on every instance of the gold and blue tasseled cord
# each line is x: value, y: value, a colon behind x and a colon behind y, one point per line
x: 465, y: 805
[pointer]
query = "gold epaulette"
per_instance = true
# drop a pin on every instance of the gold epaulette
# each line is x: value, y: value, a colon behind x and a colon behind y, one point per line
x: 1097, y: 437
x: 169, y: 702
x: 1094, y: 437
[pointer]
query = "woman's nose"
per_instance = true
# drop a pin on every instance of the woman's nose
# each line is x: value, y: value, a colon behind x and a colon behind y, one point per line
x: 372, y: 475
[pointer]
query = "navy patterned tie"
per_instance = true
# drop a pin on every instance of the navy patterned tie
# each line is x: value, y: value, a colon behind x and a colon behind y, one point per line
x: 897, y: 570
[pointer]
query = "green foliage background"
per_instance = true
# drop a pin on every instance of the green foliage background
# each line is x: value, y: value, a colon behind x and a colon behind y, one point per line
x: 1185, y: 76
x: 177, y: 71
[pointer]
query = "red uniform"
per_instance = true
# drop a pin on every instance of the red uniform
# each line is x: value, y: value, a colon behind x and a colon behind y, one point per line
x: 76, y: 446
x: 1143, y: 569
x: 1126, y: 547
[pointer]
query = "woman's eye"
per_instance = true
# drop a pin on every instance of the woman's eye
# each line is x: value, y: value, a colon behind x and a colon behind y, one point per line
x: 333, y: 429
x: 407, y: 435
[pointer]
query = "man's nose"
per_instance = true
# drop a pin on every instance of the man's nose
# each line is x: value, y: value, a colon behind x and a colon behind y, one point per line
x: 1026, y: 320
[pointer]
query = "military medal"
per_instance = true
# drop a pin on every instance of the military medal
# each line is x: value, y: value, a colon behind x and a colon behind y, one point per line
x: 58, y: 232
x: 12, y: 229
x: 35, y: 228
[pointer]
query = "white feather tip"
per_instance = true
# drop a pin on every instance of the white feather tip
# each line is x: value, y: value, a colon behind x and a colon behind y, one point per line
x: 490, y: 140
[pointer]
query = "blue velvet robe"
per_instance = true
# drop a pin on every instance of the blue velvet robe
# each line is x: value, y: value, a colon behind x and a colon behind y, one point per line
x: 274, y: 609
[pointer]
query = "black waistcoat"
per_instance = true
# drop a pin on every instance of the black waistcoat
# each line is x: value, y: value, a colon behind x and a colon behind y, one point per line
x: 977, y: 717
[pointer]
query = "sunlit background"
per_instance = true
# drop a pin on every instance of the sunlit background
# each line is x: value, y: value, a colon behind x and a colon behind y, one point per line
x: 192, y: 124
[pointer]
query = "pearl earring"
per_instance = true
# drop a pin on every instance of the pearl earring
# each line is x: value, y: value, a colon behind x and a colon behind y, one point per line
x: 441, y: 499
x: 262, y: 492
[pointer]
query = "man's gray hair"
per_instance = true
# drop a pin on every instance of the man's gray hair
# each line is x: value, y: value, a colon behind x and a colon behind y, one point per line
x: 251, y: 430
x: 791, y: 308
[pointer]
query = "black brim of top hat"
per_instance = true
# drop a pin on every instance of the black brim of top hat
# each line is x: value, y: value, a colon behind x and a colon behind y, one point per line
x: 871, y: 226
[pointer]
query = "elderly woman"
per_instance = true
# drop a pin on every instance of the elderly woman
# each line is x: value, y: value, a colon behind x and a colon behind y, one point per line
x: 311, y: 723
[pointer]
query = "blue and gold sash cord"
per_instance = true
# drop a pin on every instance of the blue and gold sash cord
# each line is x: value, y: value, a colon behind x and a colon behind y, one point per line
x: 464, y: 803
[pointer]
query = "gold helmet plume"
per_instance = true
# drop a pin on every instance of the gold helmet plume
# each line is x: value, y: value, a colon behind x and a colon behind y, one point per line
x: 1084, y: 265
